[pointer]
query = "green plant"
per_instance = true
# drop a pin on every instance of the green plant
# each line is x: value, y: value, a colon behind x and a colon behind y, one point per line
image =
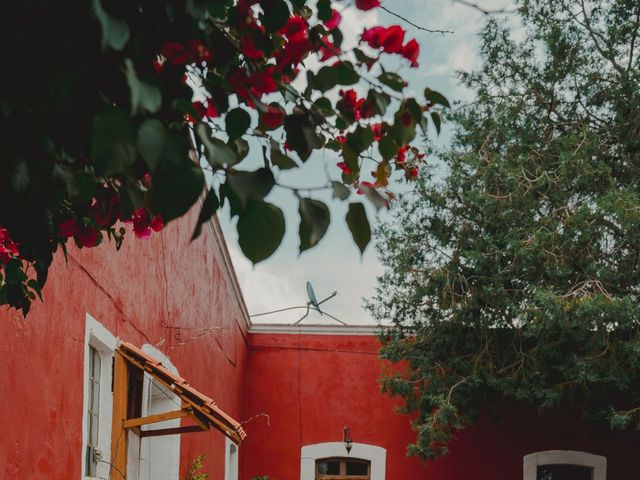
x: 196, y: 465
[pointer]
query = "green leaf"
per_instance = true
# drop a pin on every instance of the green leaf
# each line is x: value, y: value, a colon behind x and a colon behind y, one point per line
x: 325, y: 79
x: 115, y: 31
x: 151, y: 141
x: 300, y: 128
x: 260, y: 228
x: 276, y: 14
x: 281, y: 161
x: 209, y: 207
x: 175, y: 188
x: 251, y: 186
x: 401, y: 133
x: 392, y: 80
x: 363, y: 58
x: 358, y: 224
x: 143, y: 95
x: 360, y: 139
x: 220, y: 154
x: 435, y: 117
x: 436, y: 97
x: 324, y: 10
x: 387, y: 147
x: 324, y: 104
x: 340, y: 191
x: 113, y: 142
x: 240, y: 146
x: 380, y: 99
x: 347, y: 74
x: 237, y: 122
x: 314, y: 221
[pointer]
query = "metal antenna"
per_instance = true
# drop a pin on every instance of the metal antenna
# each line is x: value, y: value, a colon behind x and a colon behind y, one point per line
x: 312, y: 304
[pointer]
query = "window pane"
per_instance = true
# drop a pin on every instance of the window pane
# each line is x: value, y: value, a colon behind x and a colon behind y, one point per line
x: 357, y: 468
x: 328, y: 467
x: 564, y: 472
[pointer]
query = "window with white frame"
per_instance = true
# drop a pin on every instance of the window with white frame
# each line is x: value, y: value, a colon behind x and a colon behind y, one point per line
x: 155, y: 458
x: 231, y: 460
x: 97, y: 412
x: 330, y: 461
x: 564, y: 465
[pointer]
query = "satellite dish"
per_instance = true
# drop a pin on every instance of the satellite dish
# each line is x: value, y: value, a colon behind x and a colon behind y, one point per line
x: 312, y: 297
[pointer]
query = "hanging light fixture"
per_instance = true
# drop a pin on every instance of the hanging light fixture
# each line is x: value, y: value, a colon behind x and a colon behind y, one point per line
x: 346, y: 438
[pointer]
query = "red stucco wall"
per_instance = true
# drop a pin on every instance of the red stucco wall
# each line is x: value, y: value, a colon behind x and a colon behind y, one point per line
x: 136, y: 293
x: 310, y: 386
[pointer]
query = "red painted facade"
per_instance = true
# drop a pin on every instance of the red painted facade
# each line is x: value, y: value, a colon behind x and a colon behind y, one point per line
x: 311, y: 386
x: 165, y: 291
x: 291, y: 389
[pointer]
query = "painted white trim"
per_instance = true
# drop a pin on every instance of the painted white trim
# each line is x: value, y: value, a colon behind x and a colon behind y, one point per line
x: 231, y: 460
x: 309, y: 329
x: 97, y: 336
x: 157, y: 457
x: 310, y: 453
x: 564, y: 457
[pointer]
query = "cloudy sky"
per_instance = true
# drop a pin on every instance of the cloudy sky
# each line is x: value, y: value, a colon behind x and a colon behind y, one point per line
x: 335, y: 264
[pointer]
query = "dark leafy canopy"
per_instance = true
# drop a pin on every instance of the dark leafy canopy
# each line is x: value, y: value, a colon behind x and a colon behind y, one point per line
x: 99, y: 124
x: 516, y: 277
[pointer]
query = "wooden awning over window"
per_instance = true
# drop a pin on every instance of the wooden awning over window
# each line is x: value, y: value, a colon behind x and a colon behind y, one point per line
x: 195, y: 405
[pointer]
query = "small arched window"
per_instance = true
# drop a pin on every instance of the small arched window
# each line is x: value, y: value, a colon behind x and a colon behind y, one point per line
x: 564, y: 465
x: 342, y: 468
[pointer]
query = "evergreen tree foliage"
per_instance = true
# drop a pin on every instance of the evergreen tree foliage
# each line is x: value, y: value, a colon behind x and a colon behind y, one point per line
x: 515, y: 277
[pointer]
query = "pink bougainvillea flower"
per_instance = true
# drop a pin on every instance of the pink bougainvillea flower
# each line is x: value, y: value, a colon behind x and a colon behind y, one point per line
x: 378, y: 131
x: 389, y: 39
x: 341, y: 139
x: 295, y: 26
x: 211, y: 111
x: 374, y: 36
x: 156, y: 223
x: 334, y: 21
x: 298, y: 44
x: 176, y: 54
x: 141, y: 226
x: 248, y: 47
x: 411, y: 173
x: 327, y: 50
x: 367, y: 4
x: 401, y: 155
x: 343, y: 166
x: 198, y: 51
x: 8, y: 248
x: 393, y: 38
x: 350, y: 104
x: 88, y: 237
x: 273, y: 117
x: 68, y: 228
x: 410, y: 51
x: 263, y: 81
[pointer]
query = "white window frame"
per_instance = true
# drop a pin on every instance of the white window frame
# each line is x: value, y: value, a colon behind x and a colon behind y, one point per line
x: 105, y: 343
x: 564, y: 457
x: 140, y: 454
x: 231, y: 457
x: 374, y: 454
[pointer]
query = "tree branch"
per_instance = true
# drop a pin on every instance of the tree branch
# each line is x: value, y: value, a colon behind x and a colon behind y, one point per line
x: 406, y: 20
x: 484, y: 11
